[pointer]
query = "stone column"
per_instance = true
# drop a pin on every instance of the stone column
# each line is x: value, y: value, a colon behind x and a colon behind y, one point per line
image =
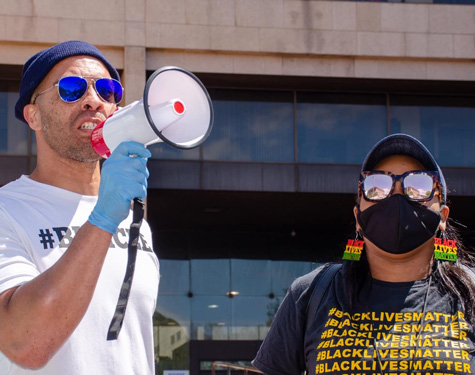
x: 134, y: 74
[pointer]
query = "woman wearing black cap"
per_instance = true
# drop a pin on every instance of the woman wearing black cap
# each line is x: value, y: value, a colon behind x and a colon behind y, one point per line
x: 403, y: 301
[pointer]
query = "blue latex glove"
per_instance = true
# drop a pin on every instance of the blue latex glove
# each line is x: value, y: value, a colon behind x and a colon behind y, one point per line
x: 123, y: 178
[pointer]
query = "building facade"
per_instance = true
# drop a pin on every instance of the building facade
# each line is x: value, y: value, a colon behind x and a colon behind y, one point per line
x: 301, y: 90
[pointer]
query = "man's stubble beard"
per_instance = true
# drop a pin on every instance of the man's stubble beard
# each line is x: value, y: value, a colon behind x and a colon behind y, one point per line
x: 66, y: 146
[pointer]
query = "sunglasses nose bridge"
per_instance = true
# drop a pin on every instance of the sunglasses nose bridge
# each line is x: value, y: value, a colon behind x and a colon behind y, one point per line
x: 91, y: 97
x: 397, y: 184
x: 398, y: 187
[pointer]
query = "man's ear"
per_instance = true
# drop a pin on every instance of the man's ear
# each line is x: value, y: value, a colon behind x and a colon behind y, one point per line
x: 32, y: 116
x: 444, y: 216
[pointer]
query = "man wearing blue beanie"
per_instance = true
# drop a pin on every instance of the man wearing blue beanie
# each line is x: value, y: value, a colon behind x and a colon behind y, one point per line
x: 64, y: 229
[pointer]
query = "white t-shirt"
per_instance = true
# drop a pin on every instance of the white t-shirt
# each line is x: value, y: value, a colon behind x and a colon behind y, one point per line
x: 37, y: 224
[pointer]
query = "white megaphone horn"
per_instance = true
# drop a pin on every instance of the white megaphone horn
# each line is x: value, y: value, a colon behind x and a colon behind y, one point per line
x: 175, y: 109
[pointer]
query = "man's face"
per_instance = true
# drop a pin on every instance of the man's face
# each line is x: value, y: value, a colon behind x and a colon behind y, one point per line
x: 66, y: 127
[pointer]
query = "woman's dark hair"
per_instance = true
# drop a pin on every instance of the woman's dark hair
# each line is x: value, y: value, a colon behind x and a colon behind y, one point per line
x: 458, y: 277
x: 455, y: 278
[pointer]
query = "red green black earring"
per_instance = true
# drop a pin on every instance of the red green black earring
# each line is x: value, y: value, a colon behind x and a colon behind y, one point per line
x: 445, y: 249
x: 353, y: 249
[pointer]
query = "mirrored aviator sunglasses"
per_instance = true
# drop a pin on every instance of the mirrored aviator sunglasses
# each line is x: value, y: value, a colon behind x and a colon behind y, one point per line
x: 418, y: 186
x: 73, y: 88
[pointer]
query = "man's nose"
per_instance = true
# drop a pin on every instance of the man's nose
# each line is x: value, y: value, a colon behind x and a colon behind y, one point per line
x: 91, y: 99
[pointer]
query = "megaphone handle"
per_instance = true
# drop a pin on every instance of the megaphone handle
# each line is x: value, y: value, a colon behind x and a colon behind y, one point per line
x: 118, y: 318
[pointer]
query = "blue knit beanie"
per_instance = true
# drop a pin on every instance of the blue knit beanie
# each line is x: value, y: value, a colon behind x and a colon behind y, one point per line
x: 40, y: 64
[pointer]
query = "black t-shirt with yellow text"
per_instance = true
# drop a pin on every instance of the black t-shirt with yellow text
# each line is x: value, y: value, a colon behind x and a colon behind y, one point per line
x: 394, y: 328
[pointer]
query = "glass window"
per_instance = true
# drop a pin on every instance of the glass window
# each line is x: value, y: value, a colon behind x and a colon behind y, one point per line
x: 338, y: 128
x: 175, y: 277
x: 211, y: 317
x: 251, y: 317
x: 210, y: 277
x: 251, y: 277
x: 285, y: 272
x: 444, y: 125
x: 173, y: 311
x: 13, y: 132
x: 251, y: 126
x: 211, y: 313
x: 172, y: 332
x: 163, y: 150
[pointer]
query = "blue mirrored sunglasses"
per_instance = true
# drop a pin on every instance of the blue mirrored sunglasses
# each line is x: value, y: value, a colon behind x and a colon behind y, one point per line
x: 73, y: 88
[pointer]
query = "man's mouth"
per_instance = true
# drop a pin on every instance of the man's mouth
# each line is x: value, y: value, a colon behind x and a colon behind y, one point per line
x: 88, y: 126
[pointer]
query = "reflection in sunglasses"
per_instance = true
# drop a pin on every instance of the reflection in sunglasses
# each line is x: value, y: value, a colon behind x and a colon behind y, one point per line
x: 73, y: 88
x: 417, y: 185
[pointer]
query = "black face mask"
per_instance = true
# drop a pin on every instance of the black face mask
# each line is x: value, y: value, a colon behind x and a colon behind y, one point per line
x: 397, y: 225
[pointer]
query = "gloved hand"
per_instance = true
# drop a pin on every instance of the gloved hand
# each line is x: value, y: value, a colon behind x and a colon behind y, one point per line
x: 123, y: 178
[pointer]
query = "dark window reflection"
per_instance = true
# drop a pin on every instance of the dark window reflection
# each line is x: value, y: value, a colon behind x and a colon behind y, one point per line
x: 251, y: 317
x: 445, y: 125
x: 258, y: 126
x: 284, y: 273
x: 338, y: 128
x: 232, y: 299
x: 177, y: 277
x: 173, y: 311
x: 251, y: 277
x: 13, y: 132
x: 211, y: 317
x: 172, y: 332
x: 251, y: 126
x: 163, y: 150
x: 210, y: 277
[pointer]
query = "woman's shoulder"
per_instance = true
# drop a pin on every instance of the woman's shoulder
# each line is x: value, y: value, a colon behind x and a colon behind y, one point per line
x: 304, y: 284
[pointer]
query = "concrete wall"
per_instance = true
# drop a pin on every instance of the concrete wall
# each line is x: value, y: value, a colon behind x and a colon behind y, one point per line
x: 278, y: 37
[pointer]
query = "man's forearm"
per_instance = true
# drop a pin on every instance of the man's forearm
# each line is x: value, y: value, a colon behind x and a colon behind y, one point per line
x: 37, y: 317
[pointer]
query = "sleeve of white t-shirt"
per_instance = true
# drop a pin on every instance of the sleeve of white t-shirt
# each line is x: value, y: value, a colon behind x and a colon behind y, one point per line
x: 16, y: 265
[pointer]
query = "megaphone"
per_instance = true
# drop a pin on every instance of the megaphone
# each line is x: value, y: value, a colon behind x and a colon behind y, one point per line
x: 175, y: 109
